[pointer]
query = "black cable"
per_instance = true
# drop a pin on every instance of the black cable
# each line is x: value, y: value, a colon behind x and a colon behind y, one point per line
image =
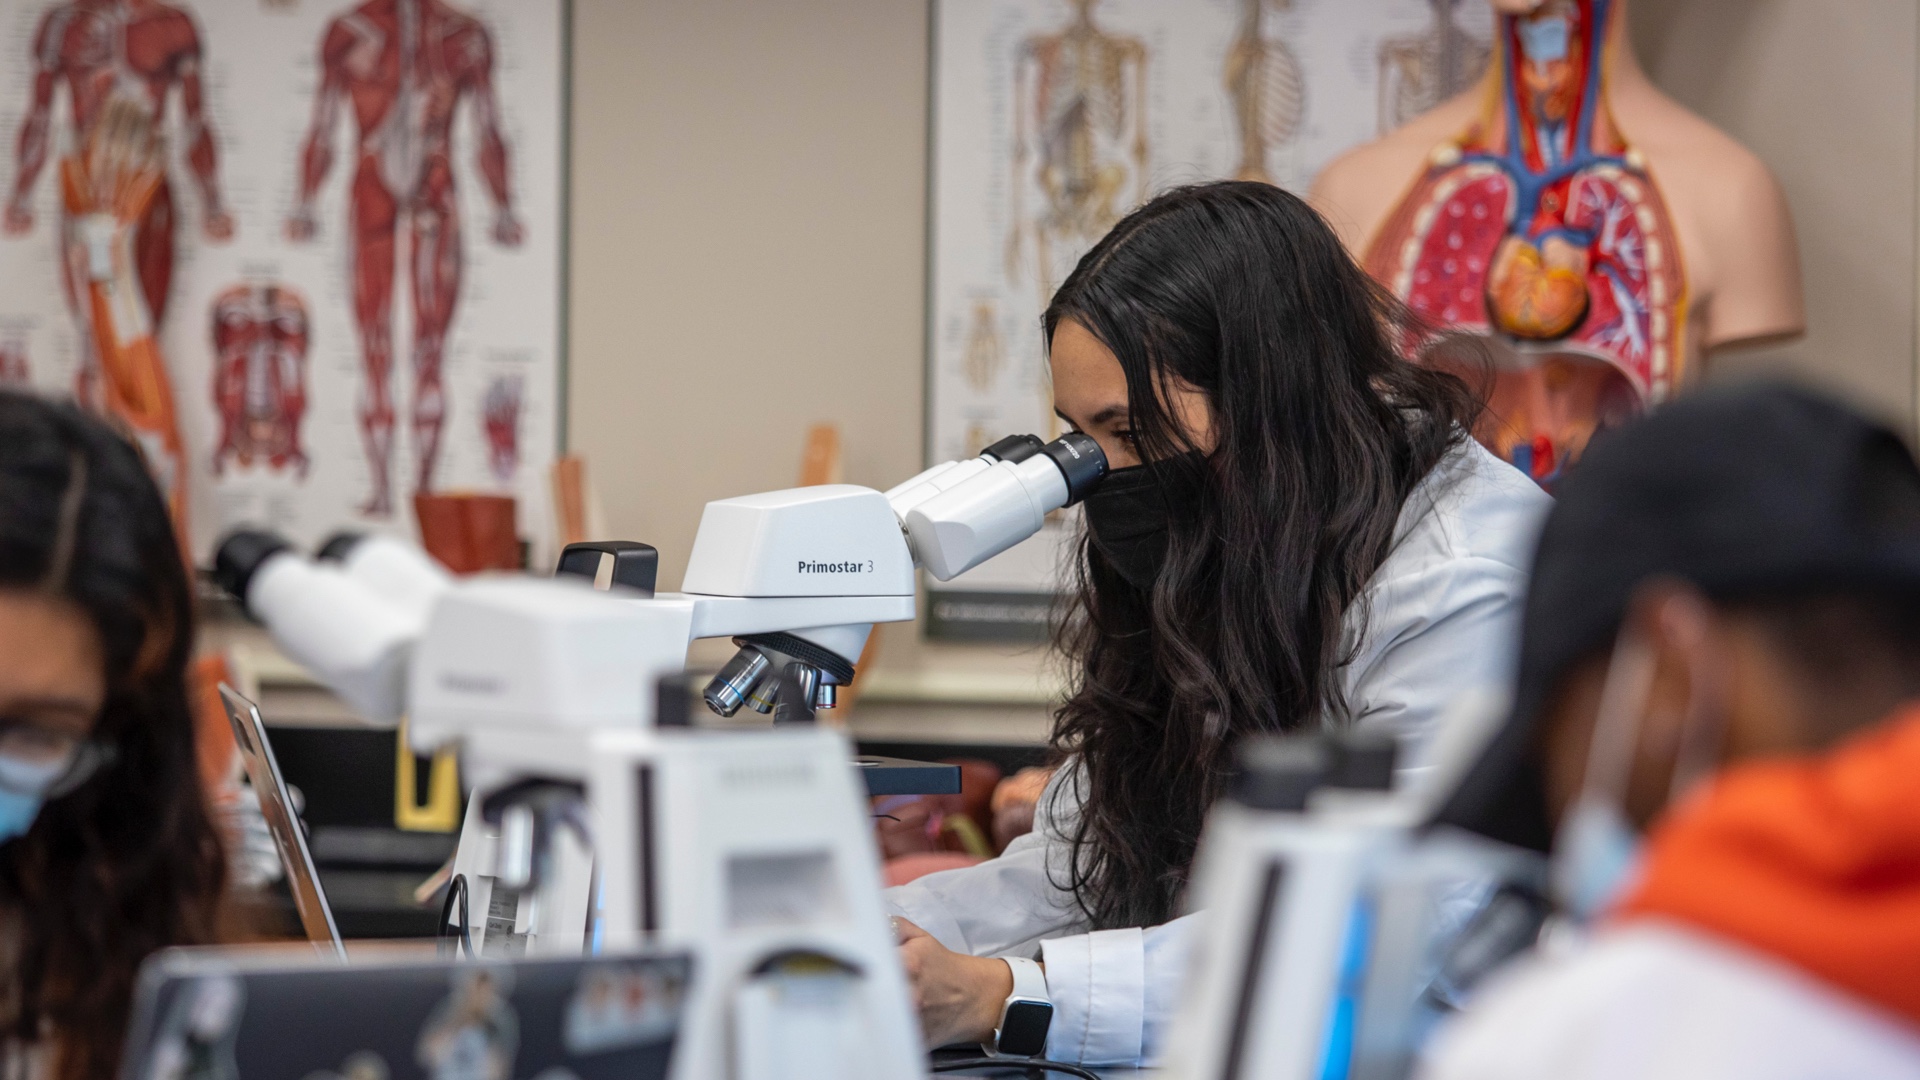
x: 1014, y: 1063
x: 457, y: 886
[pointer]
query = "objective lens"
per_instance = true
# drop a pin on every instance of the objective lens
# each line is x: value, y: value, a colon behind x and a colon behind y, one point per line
x: 794, y: 703
x: 728, y: 690
x: 761, y: 700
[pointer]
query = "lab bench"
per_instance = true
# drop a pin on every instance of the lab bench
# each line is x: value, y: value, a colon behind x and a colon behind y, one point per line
x: 346, y: 773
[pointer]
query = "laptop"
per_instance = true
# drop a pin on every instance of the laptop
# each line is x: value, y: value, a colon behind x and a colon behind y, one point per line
x: 263, y: 772
x: 252, y: 1014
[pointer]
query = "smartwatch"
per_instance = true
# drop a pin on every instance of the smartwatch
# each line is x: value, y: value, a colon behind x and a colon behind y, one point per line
x: 1028, y: 1013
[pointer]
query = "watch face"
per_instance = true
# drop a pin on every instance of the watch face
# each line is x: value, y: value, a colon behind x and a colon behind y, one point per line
x: 1023, y: 1030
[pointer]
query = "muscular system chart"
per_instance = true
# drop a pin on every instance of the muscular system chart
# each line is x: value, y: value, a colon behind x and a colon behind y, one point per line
x: 274, y: 241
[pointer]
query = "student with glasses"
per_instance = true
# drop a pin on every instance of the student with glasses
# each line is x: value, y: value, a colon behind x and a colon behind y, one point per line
x: 107, y: 851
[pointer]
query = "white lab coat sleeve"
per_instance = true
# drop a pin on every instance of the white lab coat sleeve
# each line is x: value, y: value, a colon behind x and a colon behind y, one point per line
x: 1432, y: 635
x: 1114, y: 992
x: 1005, y: 905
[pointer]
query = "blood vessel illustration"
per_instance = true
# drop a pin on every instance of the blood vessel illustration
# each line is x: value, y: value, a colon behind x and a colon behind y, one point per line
x: 404, y: 66
x: 260, y: 337
x: 120, y: 60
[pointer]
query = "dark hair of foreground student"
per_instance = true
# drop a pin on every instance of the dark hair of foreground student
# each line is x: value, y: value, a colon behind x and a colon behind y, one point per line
x: 129, y: 861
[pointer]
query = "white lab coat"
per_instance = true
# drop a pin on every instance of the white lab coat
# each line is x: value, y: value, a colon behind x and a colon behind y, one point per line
x: 1442, y: 619
x: 1658, y: 1000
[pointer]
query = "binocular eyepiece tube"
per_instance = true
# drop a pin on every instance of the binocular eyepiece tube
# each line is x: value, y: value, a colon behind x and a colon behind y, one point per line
x: 987, y: 508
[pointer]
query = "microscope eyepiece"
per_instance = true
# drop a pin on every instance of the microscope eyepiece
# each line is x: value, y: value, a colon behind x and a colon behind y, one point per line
x: 242, y: 553
x: 338, y: 546
x: 1279, y: 772
x: 1080, y: 460
x: 1013, y: 448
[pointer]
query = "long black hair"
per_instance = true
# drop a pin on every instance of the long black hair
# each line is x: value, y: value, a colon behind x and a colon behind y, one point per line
x: 128, y: 862
x: 1321, y: 428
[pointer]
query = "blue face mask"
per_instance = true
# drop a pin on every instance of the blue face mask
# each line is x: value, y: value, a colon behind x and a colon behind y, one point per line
x: 1596, y: 855
x: 23, y: 791
x: 17, y: 813
x: 1596, y: 850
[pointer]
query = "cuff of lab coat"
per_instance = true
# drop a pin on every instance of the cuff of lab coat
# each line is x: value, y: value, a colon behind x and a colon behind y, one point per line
x: 927, y: 914
x: 1098, y: 985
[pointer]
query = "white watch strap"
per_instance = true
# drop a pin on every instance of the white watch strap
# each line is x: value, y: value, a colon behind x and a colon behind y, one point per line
x: 1029, y: 980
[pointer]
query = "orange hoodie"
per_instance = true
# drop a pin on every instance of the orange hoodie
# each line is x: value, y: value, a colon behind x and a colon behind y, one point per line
x: 1812, y: 860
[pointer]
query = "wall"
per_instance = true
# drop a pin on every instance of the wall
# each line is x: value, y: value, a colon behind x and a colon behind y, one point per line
x: 748, y: 259
x: 748, y: 206
x: 1825, y: 93
x: 748, y: 233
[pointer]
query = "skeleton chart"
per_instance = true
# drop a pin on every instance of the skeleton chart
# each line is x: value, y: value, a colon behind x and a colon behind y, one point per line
x: 346, y: 273
x: 1053, y: 118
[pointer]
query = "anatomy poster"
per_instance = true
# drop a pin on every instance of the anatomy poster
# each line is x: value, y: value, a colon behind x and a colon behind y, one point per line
x: 305, y: 251
x: 1053, y: 118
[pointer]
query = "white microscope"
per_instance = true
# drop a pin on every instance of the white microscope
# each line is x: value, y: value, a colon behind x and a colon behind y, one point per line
x: 592, y: 824
x: 1338, y: 927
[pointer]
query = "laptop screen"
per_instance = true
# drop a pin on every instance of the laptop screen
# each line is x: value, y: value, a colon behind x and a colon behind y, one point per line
x: 263, y: 772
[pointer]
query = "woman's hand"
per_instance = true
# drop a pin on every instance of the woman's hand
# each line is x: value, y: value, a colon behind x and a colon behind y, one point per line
x: 958, y: 997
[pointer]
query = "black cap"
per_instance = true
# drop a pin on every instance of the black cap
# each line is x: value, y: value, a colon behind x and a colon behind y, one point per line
x: 1753, y: 489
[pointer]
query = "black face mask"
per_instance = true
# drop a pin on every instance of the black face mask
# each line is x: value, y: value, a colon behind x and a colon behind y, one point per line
x: 1132, y: 511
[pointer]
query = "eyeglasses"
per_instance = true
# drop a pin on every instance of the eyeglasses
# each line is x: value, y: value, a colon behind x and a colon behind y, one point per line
x: 39, y: 760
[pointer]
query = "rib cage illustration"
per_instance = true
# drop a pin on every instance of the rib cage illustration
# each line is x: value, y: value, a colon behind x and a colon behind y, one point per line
x: 1419, y: 71
x: 1268, y: 89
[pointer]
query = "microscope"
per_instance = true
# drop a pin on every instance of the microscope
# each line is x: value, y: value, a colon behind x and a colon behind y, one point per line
x: 600, y: 817
x: 1339, y: 928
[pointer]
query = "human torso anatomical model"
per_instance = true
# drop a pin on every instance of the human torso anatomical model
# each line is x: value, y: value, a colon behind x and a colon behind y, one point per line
x: 1268, y: 91
x: 404, y: 66
x: 119, y: 60
x: 260, y: 335
x: 1078, y: 95
x: 1595, y: 237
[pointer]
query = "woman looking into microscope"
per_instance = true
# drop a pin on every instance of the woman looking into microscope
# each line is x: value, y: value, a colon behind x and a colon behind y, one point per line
x: 1298, y: 531
x: 107, y: 852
